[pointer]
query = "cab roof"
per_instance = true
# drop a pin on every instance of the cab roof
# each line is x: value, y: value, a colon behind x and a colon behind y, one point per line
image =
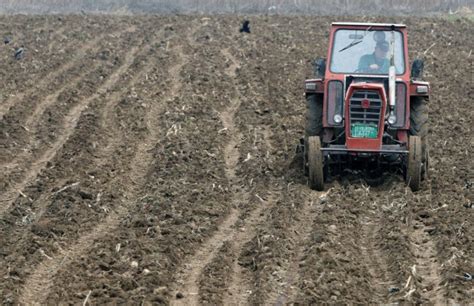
x: 368, y: 24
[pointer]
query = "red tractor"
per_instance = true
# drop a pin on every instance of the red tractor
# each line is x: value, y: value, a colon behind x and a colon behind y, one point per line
x: 366, y: 109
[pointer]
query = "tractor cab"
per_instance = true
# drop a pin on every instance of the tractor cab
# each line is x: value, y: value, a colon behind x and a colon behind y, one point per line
x: 365, y: 105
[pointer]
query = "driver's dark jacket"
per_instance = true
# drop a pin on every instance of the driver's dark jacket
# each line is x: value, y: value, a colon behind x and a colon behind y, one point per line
x: 369, y: 59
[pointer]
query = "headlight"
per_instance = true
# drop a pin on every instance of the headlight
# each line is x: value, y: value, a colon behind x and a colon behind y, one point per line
x: 421, y: 89
x: 392, y: 119
x: 337, y: 118
x: 335, y: 102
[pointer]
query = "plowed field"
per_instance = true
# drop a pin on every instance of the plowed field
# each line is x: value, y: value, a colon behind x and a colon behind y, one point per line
x: 152, y: 159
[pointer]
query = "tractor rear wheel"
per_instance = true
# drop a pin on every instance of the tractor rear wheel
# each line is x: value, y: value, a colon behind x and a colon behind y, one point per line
x: 419, y: 127
x: 315, y: 163
x: 414, y: 167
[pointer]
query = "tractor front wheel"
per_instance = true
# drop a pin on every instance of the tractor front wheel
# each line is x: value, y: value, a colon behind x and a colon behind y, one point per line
x: 415, y: 162
x: 315, y: 163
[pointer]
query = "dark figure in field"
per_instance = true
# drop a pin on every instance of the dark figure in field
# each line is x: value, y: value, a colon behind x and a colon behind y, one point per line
x: 6, y: 40
x: 19, y: 53
x: 245, y: 27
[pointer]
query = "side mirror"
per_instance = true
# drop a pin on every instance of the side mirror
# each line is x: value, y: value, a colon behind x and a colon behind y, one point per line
x: 417, y: 69
x: 319, y: 67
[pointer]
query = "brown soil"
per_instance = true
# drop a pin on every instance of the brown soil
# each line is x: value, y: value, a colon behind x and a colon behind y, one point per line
x: 151, y: 159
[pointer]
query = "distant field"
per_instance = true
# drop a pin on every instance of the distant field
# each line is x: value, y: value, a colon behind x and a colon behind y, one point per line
x: 318, y: 7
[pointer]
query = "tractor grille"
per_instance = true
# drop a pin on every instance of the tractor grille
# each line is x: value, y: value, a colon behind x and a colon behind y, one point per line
x: 365, y: 107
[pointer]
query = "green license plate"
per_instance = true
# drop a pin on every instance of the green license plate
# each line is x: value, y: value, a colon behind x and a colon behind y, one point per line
x: 360, y: 130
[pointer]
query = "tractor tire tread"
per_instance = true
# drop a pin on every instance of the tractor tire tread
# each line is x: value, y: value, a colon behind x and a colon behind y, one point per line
x: 419, y: 117
x: 315, y: 163
x: 314, y: 115
x: 415, y: 154
x: 419, y: 126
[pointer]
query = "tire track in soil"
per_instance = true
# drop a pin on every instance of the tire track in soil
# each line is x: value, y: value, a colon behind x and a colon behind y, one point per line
x: 376, y: 265
x: 107, y: 118
x: 51, y: 98
x: 70, y: 122
x: 234, y: 284
x: 38, y: 284
x: 241, y: 284
x: 337, y: 256
x: 42, y: 201
x: 39, y: 109
x: 112, y: 100
x: 6, y: 105
x: 427, y: 269
x: 300, y: 234
x: 210, y: 248
x: 60, y: 32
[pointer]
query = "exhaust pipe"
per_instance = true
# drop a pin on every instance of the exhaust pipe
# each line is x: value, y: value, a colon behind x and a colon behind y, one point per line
x: 392, y: 119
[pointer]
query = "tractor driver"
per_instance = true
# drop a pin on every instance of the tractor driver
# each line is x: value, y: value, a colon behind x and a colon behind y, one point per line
x: 376, y: 62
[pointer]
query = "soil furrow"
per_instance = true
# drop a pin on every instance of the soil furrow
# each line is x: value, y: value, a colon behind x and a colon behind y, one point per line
x: 205, y: 254
x: 68, y: 127
x: 300, y: 236
x: 334, y: 250
x: 376, y: 265
x: 31, y: 121
x: 38, y: 284
x: 88, y: 132
x: 67, y: 64
x: 108, y: 116
x: 5, y: 106
x: 273, y: 254
x: 188, y: 279
x: 427, y: 269
x: 265, y: 258
x: 235, y: 283
x: 105, y: 151
x: 231, y: 152
x: 152, y: 207
x: 90, y: 46
x: 110, y: 156
x: 241, y: 284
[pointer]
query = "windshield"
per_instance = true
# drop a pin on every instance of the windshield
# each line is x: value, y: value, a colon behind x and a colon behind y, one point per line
x: 366, y: 52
